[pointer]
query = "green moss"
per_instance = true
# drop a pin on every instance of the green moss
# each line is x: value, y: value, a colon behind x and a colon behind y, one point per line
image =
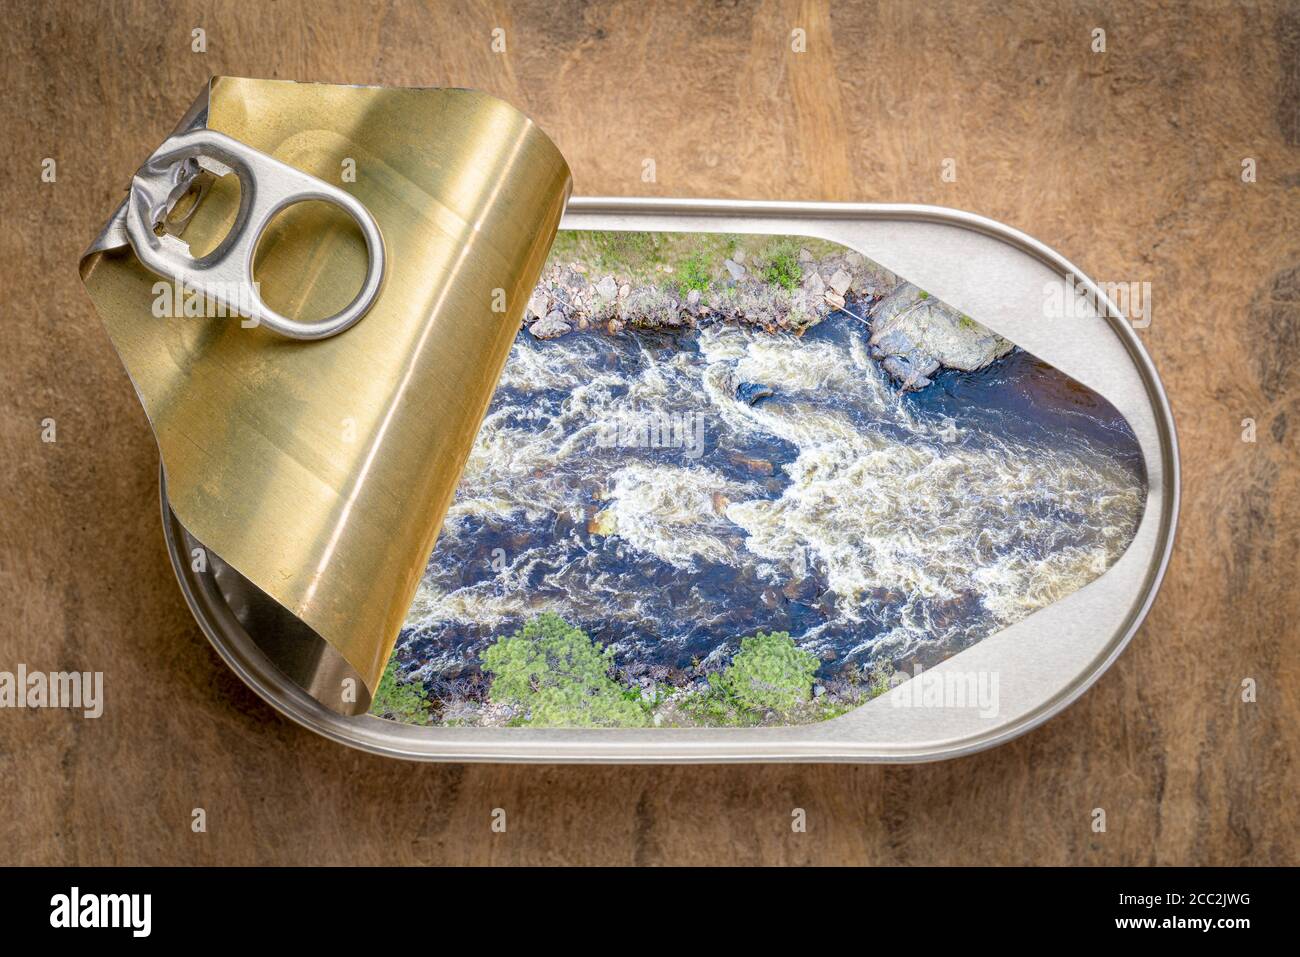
x: 924, y: 295
x: 404, y: 701
x: 558, y: 677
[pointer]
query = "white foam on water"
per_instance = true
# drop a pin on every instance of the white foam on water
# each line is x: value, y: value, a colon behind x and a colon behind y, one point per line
x: 875, y: 498
x: 673, y: 513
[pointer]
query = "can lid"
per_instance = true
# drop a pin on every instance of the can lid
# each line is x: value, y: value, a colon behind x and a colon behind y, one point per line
x: 319, y: 472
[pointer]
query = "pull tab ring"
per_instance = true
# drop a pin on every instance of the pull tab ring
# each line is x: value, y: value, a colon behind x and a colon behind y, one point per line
x: 267, y: 186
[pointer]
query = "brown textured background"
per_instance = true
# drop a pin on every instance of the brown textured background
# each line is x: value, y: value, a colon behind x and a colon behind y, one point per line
x: 1128, y: 162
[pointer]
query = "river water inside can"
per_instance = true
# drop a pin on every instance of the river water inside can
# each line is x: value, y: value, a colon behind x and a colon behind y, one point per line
x: 670, y: 492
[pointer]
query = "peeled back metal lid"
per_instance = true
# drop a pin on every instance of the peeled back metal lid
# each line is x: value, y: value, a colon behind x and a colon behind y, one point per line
x: 318, y: 460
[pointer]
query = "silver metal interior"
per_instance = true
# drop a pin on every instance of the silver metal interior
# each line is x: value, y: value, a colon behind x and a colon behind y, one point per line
x: 1044, y: 662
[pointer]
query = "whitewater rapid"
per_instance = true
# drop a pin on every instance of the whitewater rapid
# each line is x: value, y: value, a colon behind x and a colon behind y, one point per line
x: 859, y: 520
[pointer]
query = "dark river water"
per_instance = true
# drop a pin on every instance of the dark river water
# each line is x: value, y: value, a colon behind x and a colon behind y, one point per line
x: 671, y: 493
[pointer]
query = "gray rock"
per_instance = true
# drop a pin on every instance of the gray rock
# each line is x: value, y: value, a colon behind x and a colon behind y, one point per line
x: 841, y: 282
x: 915, y: 335
x: 607, y: 287
x: 537, y: 304
x: 693, y: 297
x: 736, y: 270
x: 891, y: 342
x: 814, y: 285
x: 552, y: 327
x: 908, y: 374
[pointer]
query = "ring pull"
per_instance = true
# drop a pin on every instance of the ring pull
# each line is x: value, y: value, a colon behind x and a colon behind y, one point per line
x: 267, y: 186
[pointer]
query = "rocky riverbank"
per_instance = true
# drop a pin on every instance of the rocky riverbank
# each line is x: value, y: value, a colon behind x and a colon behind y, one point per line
x: 779, y: 286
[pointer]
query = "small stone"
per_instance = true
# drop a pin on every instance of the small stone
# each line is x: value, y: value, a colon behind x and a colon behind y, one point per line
x: 693, y: 297
x: 607, y: 287
x: 751, y: 392
x: 758, y: 466
x: 834, y: 300
x: 805, y: 256
x: 800, y: 589
x: 720, y: 503
x: 624, y: 290
x: 578, y: 267
x: 736, y: 270
x: 814, y: 285
x: 537, y: 304
x: 602, y: 523
x: 818, y: 691
x: 552, y: 327
x: 841, y: 281
x: 738, y: 255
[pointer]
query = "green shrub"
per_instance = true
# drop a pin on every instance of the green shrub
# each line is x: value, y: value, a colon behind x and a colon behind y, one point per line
x: 768, y: 673
x: 559, y: 677
x: 404, y: 701
x: 693, y: 273
x: 783, y: 268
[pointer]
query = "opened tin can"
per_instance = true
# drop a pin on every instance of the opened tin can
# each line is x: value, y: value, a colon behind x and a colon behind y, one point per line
x: 710, y: 481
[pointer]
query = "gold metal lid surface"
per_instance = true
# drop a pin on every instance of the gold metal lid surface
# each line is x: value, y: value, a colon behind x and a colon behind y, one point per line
x: 321, y: 471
